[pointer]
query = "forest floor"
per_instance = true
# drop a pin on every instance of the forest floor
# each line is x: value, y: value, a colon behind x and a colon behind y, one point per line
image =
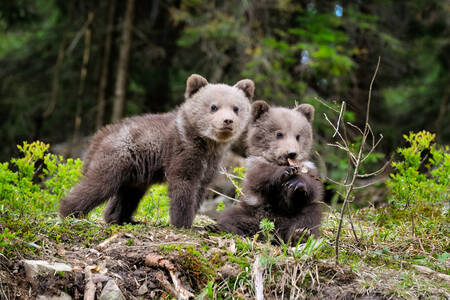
x: 381, y: 264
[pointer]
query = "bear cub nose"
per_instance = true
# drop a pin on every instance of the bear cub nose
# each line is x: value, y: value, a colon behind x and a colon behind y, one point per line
x: 228, y: 121
x: 292, y: 155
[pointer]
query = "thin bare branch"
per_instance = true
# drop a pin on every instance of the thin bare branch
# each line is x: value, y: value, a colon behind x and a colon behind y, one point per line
x: 356, y: 127
x: 223, y: 171
x: 324, y: 103
x: 370, y: 90
x: 373, y: 148
x: 379, y: 171
x: 335, y: 182
x: 339, y: 118
x: 230, y: 175
x: 366, y: 185
x: 223, y: 195
x: 336, y: 130
x: 353, y: 227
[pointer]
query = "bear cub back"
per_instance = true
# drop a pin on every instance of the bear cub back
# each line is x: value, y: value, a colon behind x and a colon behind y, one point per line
x: 281, y: 184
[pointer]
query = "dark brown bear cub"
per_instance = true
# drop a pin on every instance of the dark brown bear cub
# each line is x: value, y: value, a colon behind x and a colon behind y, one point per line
x: 182, y: 147
x: 280, y: 184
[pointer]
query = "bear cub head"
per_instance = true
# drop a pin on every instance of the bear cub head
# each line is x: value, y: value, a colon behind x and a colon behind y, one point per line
x: 218, y: 111
x: 278, y: 134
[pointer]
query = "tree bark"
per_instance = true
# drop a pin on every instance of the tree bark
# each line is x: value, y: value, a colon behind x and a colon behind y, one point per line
x: 83, y: 75
x: 122, y: 67
x: 105, y: 65
x: 55, y: 83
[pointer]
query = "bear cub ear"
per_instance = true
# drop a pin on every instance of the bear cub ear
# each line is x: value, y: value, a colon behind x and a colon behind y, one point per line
x: 307, y: 110
x: 193, y: 84
x: 247, y: 86
x: 259, y: 108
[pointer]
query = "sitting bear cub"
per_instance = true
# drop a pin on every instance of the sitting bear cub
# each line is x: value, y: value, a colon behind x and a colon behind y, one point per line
x: 280, y: 185
x: 182, y: 147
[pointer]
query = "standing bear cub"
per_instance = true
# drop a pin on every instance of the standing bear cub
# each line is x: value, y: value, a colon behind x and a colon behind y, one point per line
x: 182, y: 147
x: 280, y: 184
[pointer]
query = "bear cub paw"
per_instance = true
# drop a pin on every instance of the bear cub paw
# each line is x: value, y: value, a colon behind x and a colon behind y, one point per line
x: 288, y: 173
x: 300, y: 235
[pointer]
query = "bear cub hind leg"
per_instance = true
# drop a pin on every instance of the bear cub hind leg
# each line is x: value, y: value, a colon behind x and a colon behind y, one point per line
x: 120, y: 207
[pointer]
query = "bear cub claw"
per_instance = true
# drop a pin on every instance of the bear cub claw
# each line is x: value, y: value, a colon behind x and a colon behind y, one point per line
x: 288, y: 173
x: 300, y: 235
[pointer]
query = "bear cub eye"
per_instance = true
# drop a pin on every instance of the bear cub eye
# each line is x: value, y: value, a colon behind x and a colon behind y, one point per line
x: 236, y: 109
x: 297, y: 137
x: 214, y: 108
x: 279, y: 135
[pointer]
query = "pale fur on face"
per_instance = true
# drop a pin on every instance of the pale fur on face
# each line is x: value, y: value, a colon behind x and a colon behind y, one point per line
x: 231, y: 103
x: 294, y: 127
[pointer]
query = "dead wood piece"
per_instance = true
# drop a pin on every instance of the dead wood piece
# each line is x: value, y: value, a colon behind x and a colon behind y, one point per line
x: 89, y: 290
x: 429, y: 271
x: 257, y: 274
x: 158, y: 261
x: 165, y: 284
x: 106, y: 242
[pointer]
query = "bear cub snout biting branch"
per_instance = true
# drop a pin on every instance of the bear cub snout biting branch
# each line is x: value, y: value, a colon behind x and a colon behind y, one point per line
x: 281, y: 184
x: 182, y: 147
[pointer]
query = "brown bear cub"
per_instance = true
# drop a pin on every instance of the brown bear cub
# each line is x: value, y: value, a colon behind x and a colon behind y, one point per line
x: 280, y: 185
x: 182, y: 147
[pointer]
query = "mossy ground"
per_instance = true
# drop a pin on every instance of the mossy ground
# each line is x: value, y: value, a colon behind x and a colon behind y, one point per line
x: 380, y: 262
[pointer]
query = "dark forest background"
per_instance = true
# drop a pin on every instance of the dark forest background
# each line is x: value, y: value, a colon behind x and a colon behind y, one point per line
x: 67, y: 67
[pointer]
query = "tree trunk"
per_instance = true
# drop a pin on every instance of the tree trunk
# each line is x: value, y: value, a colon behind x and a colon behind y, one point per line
x: 55, y: 83
x: 105, y: 65
x: 83, y: 75
x: 122, y: 67
x: 61, y: 54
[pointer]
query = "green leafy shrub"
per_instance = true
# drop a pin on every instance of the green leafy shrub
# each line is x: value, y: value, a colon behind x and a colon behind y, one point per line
x: 421, y: 183
x: 30, y: 189
x: 37, y: 180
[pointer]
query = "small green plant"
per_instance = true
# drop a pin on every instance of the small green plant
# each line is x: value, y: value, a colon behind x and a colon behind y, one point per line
x: 267, y: 228
x: 309, y: 249
x: 267, y: 259
x: 155, y: 205
x: 421, y: 181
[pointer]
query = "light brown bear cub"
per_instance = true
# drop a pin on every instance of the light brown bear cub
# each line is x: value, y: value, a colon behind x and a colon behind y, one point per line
x: 182, y: 147
x: 281, y: 184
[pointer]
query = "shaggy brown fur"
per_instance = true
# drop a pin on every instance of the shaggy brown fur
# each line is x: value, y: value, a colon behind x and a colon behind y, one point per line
x: 287, y: 195
x: 182, y: 147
